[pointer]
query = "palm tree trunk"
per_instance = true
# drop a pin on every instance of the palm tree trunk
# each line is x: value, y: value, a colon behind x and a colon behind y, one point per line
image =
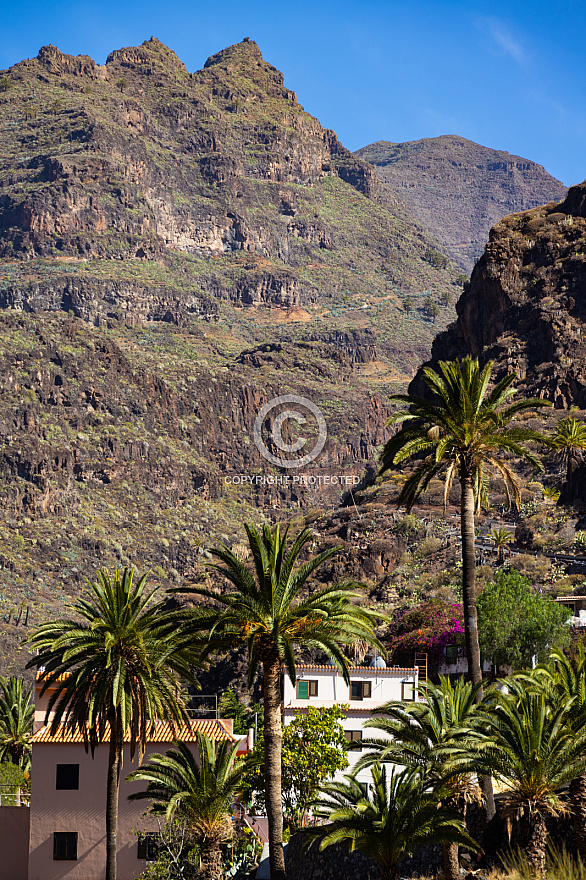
x: 112, y: 793
x: 211, y: 864
x: 470, y: 613
x: 273, y: 741
x: 578, y: 795
x: 469, y: 579
x: 451, y: 863
x: 536, y: 842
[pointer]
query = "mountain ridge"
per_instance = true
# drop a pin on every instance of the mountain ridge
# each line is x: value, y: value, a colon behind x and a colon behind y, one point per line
x: 459, y: 189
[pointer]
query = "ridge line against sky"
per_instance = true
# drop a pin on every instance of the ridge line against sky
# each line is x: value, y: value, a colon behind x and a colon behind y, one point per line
x: 507, y: 75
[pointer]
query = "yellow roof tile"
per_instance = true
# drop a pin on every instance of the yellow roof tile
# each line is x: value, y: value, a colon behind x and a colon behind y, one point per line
x: 161, y: 732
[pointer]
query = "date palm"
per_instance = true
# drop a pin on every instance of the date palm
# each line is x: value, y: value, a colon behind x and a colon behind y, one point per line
x: 427, y: 735
x: 16, y: 722
x: 501, y: 538
x: 463, y: 431
x: 202, y: 796
x: 529, y: 747
x: 114, y: 667
x: 569, y: 441
x: 564, y: 679
x: 395, y: 818
x: 266, y: 612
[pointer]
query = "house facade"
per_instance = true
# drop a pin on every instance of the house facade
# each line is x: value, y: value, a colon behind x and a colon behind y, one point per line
x: 370, y: 687
x: 62, y: 835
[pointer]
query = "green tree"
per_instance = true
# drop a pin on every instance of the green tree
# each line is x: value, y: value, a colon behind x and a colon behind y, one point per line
x: 569, y: 441
x: 528, y: 746
x: 426, y: 735
x: 396, y: 817
x: 244, y: 716
x: 13, y: 780
x: 202, y: 795
x: 266, y: 612
x: 430, y: 308
x: 314, y: 749
x: 463, y: 431
x: 515, y: 625
x: 16, y: 722
x: 114, y: 667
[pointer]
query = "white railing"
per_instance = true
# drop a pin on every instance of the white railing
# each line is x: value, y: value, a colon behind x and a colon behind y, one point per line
x: 11, y: 798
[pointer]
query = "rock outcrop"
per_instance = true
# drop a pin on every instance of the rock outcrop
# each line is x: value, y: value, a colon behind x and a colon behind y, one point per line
x: 525, y: 306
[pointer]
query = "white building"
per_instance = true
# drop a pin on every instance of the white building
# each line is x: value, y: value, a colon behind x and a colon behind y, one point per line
x: 370, y: 687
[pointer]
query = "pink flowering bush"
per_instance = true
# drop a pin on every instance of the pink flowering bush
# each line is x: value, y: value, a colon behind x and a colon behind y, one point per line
x: 426, y: 628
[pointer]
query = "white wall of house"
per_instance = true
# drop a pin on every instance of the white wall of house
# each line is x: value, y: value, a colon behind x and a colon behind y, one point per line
x: 370, y: 687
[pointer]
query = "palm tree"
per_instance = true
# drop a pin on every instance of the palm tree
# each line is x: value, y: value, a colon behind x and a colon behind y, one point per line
x: 564, y: 679
x: 266, y: 613
x: 395, y: 818
x: 529, y: 747
x: 426, y: 735
x: 501, y: 538
x: 16, y: 722
x: 114, y: 668
x: 462, y: 432
x: 201, y: 795
x: 569, y: 441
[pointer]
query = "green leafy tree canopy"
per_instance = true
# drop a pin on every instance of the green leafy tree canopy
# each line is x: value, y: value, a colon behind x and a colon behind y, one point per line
x: 515, y: 625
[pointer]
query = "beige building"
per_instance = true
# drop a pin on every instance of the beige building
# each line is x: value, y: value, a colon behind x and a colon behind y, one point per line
x: 62, y: 834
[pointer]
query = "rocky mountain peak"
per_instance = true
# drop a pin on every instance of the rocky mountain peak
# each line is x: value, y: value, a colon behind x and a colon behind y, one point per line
x: 58, y: 62
x: 459, y: 189
x: 152, y: 56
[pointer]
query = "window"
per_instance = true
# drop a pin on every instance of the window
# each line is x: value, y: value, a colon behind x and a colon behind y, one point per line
x: 353, y: 736
x: 408, y: 691
x: 67, y: 777
x: 306, y: 690
x: 360, y: 690
x: 452, y: 652
x: 147, y: 846
x: 65, y: 845
x: 364, y: 787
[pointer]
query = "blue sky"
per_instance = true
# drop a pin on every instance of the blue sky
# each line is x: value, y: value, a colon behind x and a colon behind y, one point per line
x: 509, y: 75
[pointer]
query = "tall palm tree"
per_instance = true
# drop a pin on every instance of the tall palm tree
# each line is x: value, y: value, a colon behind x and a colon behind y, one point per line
x: 569, y: 441
x: 394, y: 819
x: 426, y: 735
x: 265, y: 612
x: 201, y: 795
x: 16, y: 721
x: 114, y: 667
x: 527, y: 744
x: 565, y: 679
x: 463, y: 431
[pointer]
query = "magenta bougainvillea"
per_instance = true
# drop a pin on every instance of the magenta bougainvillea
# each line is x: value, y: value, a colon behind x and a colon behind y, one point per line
x: 427, y: 628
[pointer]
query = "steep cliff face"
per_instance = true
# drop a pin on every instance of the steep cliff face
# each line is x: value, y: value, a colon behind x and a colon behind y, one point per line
x: 525, y: 305
x: 459, y: 189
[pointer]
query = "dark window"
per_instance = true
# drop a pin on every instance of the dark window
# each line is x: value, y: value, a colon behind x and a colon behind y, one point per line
x: 147, y: 846
x: 65, y: 845
x: 306, y: 689
x: 353, y: 735
x: 67, y: 777
x: 364, y: 787
x: 360, y: 690
x: 408, y: 691
x: 452, y: 652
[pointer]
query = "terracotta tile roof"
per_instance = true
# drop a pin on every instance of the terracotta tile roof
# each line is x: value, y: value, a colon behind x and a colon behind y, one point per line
x: 162, y: 732
x: 378, y: 670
